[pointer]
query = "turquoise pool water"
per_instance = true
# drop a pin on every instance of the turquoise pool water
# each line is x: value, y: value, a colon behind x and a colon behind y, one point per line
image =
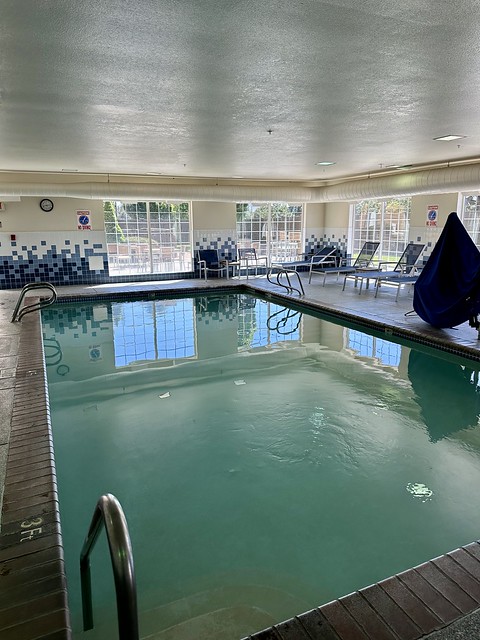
x: 267, y: 461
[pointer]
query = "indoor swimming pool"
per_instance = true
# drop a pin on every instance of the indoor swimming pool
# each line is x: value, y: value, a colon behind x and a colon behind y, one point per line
x: 267, y: 460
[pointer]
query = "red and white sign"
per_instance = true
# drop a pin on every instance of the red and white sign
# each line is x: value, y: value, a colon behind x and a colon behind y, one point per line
x: 84, y: 220
x: 432, y: 213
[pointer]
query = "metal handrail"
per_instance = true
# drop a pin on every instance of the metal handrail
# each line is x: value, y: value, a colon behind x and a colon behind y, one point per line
x: 109, y: 512
x: 282, y: 271
x: 18, y: 315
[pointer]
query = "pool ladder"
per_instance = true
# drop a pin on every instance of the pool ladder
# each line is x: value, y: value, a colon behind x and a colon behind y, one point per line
x: 19, y: 313
x: 281, y: 271
x: 109, y: 513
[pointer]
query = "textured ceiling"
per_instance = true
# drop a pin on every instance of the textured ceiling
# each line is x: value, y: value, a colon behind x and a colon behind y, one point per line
x: 192, y: 87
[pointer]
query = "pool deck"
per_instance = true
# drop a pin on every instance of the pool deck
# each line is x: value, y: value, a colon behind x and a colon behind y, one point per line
x: 439, y: 599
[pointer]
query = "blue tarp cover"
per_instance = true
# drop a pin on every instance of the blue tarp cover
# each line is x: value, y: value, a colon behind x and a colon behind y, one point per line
x: 447, y: 292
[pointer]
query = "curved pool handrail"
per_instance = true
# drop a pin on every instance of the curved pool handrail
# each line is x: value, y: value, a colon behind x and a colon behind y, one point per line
x: 283, y: 271
x: 18, y: 314
x: 109, y: 513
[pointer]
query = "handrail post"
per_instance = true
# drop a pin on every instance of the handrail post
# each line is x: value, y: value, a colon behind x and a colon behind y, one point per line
x: 108, y: 513
x: 86, y: 583
x: 18, y: 315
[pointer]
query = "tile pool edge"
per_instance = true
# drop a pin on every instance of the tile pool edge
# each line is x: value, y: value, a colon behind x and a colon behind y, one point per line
x: 263, y: 289
x: 33, y: 590
x: 409, y: 605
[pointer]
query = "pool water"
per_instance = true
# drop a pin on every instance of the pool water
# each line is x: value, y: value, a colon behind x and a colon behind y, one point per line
x: 267, y: 461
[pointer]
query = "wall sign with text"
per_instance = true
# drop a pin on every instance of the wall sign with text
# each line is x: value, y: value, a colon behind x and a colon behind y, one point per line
x: 432, y: 213
x: 84, y: 220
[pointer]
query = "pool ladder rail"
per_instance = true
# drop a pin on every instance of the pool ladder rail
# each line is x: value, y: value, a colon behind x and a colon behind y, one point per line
x: 109, y: 513
x: 19, y: 313
x: 282, y: 271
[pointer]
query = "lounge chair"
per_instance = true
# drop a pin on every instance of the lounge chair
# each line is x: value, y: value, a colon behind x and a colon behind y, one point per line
x: 326, y: 257
x: 321, y: 259
x: 362, y: 261
x: 404, y: 269
x: 396, y: 281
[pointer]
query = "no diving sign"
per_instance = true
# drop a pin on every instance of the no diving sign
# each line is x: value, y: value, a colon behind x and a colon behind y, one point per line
x: 84, y: 220
x: 432, y: 213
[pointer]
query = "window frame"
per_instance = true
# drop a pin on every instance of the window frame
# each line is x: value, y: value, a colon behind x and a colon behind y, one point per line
x: 269, y: 239
x: 134, y: 239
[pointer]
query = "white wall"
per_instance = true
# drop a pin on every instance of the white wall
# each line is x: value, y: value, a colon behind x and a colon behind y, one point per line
x: 26, y: 215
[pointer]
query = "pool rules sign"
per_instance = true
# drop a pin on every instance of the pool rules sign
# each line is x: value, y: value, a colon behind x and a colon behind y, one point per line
x: 84, y: 220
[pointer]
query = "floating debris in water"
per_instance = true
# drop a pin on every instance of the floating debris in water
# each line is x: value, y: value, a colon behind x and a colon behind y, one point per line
x: 165, y: 395
x: 420, y: 491
x: 238, y: 382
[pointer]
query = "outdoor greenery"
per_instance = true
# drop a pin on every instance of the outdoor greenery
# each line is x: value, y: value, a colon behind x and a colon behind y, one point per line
x: 113, y: 230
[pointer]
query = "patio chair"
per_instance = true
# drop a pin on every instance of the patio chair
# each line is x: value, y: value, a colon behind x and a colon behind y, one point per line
x: 404, y: 270
x: 362, y: 261
x: 247, y: 258
x: 208, y: 262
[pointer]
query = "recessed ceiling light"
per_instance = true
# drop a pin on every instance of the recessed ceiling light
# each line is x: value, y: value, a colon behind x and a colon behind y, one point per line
x: 325, y: 163
x: 449, y: 137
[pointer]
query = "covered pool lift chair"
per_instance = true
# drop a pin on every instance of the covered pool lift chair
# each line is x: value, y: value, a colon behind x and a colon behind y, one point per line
x: 208, y: 262
x: 447, y: 292
x: 362, y: 261
x: 402, y: 272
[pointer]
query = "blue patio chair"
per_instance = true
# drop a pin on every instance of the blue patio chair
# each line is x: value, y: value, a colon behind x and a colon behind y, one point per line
x: 208, y: 262
x: 404, y: 269
x: 362, y: 261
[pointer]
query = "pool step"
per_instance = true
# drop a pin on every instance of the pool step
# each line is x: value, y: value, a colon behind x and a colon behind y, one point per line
x: 225, y: 613
x: 225, y: 624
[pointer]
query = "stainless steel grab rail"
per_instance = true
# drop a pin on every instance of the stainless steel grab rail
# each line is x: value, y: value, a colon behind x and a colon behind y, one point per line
x: 18, y: 315
x: 109, y: 512
x: 282, y: 271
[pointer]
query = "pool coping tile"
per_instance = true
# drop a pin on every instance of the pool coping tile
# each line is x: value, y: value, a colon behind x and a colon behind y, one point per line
x: 33, y: 602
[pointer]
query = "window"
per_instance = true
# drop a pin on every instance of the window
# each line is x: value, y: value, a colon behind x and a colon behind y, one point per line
x: 273, y: 229
x: 471, y: 217
x: 384, y: 221
x: 148, y: 237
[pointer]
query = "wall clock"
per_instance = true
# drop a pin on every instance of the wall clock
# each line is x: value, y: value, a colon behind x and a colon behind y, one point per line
x: 46, y: 204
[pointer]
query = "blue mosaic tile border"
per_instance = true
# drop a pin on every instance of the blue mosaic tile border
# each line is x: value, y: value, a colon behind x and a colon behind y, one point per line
x: 69, y: 265
x: 227, y: 247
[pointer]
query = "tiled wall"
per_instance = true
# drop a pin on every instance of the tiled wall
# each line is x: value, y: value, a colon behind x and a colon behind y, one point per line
x: 222, y: 240
x: 315, y: 239
x: 225, y: 241
x: 69, y: 258
x: 61, y: 258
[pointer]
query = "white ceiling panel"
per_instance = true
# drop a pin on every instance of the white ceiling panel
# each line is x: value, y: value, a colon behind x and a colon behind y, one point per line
x: 223, y: 88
